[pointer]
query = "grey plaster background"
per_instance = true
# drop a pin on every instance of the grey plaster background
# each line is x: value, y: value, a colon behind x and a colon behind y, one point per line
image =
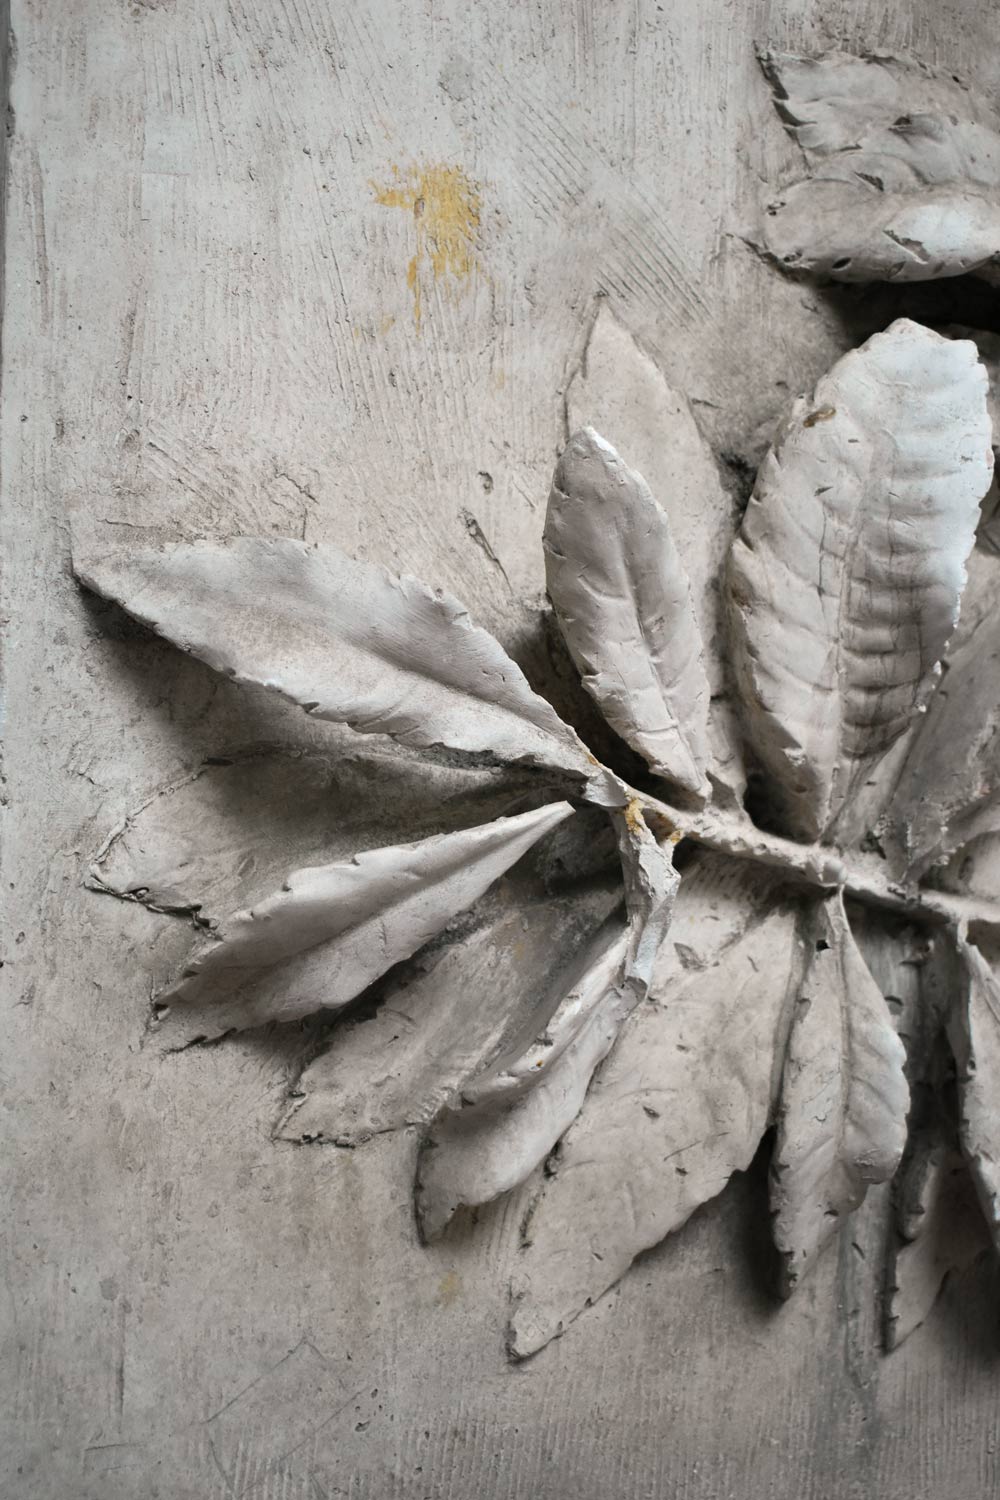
x: 209, y: 329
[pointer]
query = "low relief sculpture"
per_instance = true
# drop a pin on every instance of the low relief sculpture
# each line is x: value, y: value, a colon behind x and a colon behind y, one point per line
x: 903, y: 171
x: 676, y: 959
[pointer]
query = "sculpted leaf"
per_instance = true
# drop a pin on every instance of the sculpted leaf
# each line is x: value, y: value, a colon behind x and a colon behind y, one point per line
x: 943, y: 788
x: 938, y: 1225
x: 680, y: 1104
x: 461, y: 1002
x: 940, y: 1231
x: 844, y: 1097
x: 831, y: 102
x: 439, y: 1027
x: 333, y: 929
x: 847, y: 575
x: 988, y: 345
x: 903, y: 175
x: 948, y: 792
x: 226, y: 834
x: 624, y: 606
x: 981, y: 589
x: 975, y: 1039
x: 510, y: 1118
x: 619, y: 391
x: 348, y: 641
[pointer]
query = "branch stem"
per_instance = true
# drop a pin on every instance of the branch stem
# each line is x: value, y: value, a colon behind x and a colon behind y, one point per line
x: 865, y: 877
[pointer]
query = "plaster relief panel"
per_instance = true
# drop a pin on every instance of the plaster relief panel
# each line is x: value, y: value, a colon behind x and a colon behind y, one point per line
x: 506, y: 967
x: 711, y: 988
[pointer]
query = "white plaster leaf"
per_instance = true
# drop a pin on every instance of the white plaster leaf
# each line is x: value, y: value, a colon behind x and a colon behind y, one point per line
x: 227, y: 833
x: 984, y: 582
x: 334, y: 929
x: 980, y: 603
x: 624, y: 607
x: 438, y: 1027
x: 904, y: 175
x: 619, y: 391
x: 974, y: 1032
x: 904, y: 962
x: 509, y: 1118
x: 939, y: 1226
x: 831, y: 102
x: 948, y: 792
x: 844, y: 1096
x: 847, y: 575
x: 444, y: 1016
x: 680, y: 1104
x: 988, y: 345
x: 346, y: 640
x: 940, y: 1231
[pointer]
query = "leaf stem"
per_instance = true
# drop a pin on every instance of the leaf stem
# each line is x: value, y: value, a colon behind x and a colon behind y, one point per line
x: 863, y: 877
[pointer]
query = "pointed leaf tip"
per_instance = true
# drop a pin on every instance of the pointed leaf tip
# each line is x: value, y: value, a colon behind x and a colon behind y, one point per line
x: 844, y: 1096
x: 903, y: 171
x: 624, y: 607
x: 332, y: 930
x: 514, y: 1114
x: 346, y: 640
x: 619, y: 390
x: 510, y: 1118
x: 974, y: 1031
x: 680, y: 1104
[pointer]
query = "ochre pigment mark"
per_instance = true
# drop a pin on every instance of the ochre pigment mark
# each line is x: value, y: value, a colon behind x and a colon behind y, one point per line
x: 445, y: 207
x: 633, y: 816
x: 449, y: 1289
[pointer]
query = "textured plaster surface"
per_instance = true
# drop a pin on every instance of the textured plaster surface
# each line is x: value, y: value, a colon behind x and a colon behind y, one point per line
x: 224, y: 315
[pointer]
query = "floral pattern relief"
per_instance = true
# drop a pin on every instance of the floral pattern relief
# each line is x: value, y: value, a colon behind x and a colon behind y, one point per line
x: 695, y: 970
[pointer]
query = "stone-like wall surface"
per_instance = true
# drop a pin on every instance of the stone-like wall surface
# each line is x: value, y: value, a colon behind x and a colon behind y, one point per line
x: 326, y: 269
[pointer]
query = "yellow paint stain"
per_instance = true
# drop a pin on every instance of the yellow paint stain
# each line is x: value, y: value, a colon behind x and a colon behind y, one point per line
x: 662, y: 829
x: 386, y: 324
x: 445, y: 206
x: 821, y: 414
x: 449, y: 1288
x: 633, y: 817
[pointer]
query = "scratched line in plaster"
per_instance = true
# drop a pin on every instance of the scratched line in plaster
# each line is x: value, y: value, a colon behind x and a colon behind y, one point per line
x: 445, y: 205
